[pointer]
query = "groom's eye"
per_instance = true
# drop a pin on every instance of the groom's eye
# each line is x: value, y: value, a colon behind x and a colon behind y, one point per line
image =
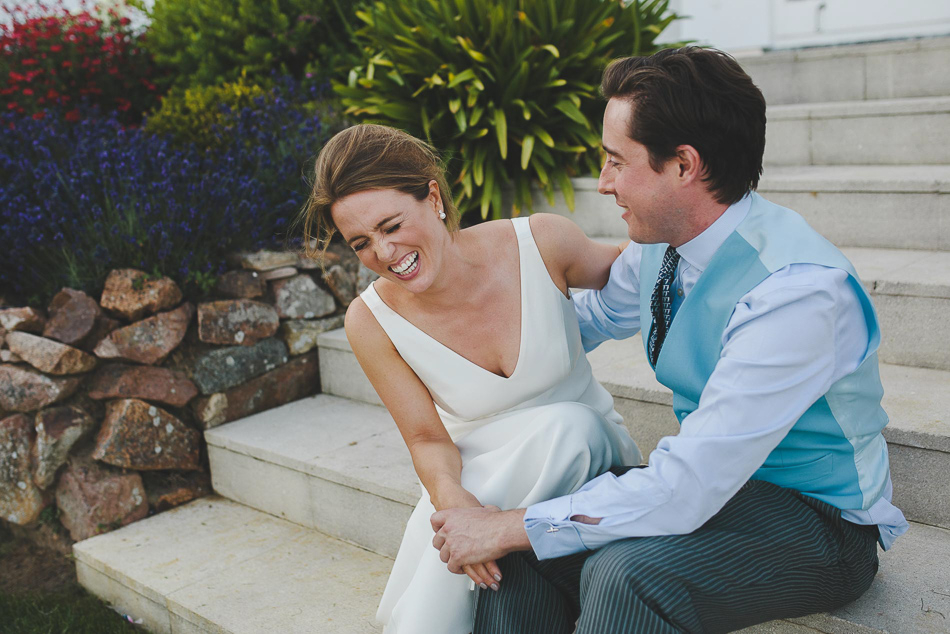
x: 359, y: 246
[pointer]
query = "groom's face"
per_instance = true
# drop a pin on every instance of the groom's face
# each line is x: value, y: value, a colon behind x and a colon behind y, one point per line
x: 647, y: 197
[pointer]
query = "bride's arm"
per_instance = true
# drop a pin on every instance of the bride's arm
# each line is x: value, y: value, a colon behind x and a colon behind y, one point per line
x: 434, y: 455
x: 572, y: 259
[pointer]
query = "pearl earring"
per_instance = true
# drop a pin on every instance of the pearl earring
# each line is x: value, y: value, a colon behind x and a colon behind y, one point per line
x: 441, y: 214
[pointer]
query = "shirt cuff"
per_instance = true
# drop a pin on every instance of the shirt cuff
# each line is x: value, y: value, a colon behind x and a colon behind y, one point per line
x: 550, y: 530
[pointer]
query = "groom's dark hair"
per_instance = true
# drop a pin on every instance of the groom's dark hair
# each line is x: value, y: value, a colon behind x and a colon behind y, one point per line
x: 699, y: 97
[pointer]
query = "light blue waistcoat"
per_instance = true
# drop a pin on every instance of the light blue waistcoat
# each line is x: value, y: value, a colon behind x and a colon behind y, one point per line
x: 835, y: 452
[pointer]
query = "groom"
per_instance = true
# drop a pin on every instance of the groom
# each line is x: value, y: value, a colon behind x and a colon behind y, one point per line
x: 771, y: 500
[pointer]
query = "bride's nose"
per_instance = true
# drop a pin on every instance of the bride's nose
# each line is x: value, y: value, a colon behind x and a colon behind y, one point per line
x: 384, y: 248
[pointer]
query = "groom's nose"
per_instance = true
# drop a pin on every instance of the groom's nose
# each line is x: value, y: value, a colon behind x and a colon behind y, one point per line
x: 605, y: 184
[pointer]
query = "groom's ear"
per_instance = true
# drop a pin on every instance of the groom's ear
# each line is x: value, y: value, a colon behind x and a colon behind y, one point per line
x: 689, y: 164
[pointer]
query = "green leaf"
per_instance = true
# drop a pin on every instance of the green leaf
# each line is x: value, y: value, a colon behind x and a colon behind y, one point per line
x: 454, y: 105
x: 572, y: 112
x: 464, y: 76
x: 552, y: 50
x: 501, y: 130
x: 526, y: 147
x: 540, y: 132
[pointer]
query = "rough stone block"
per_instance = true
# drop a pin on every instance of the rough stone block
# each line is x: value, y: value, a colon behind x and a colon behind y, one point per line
x: 72, y: 316
x: 241, y: 285
x: 294, y: 380
x: 137, y: 435
x: 20, y: 499
x: 50, y: 356
x: 22, y: 319
x: 300, y: 298
x: 145, y: 382
x: 224, y: 368
x: 26, y: 390
x: 301, y: 334
x: 238, y: 321
x: 57, y: 430
x: 130, y: 294
x: 93, y: 499
x: 148, y: 341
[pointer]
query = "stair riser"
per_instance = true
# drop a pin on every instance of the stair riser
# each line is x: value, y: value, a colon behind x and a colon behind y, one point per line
x: 341, y: 375
x: 874, y: 139
x: 902, y: 220
x: 918, y: 473
x: 921, y: 481
x: 346, y: 513
x: 155, y: 617
x: 882, y: 72
x: 916, y: 330
x: 872, y: 219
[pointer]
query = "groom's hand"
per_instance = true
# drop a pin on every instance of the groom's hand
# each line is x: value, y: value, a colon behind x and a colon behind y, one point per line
x: 470, y: 536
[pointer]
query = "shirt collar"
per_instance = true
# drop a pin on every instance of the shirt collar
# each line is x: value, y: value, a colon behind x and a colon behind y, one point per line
x: 700, y: 250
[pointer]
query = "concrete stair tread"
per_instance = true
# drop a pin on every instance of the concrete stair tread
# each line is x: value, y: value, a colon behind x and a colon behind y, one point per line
x: 217, y: 566
x: 857, y: 178
x: 844, y: 50
x: 860, y: 108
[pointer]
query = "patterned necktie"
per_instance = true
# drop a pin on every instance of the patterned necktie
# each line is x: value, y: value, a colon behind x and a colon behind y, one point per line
x: 661, y: 304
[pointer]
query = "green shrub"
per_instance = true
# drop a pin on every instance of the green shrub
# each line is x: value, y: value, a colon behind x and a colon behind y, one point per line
x: 209, y: 42
x: 506, y: 89
x: 196, y: 115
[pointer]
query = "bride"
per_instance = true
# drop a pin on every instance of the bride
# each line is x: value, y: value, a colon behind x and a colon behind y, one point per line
x: 470, y: 339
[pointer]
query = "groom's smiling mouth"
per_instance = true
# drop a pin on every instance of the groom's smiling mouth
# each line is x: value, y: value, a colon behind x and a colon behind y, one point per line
x: 407, y: 266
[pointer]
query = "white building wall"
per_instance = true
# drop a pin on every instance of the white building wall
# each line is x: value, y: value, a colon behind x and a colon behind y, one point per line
x: 741, y: 25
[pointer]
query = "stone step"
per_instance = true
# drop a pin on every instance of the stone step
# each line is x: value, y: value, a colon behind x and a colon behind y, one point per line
x: 908, y: 131
x: 217, y: 566
x: 886, y: 206
x: 320, y: 462
x: 916, y: 399
x: 854, y: 72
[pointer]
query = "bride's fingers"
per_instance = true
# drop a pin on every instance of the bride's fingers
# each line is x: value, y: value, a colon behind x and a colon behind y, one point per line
x: 474, y: 576
x: 486, y: 575
x: 493, y: 570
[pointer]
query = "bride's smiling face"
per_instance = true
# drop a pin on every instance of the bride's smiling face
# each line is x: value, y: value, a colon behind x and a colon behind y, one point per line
x: 394, y: 234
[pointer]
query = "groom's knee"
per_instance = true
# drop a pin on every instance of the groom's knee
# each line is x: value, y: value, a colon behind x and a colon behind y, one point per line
x: 622, y: 568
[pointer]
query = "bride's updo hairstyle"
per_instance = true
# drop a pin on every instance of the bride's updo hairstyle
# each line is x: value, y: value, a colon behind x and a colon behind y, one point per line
x: 366, y: 157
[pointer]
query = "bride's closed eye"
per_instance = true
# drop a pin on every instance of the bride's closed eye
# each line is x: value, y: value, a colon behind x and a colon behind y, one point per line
x: 393, y: 228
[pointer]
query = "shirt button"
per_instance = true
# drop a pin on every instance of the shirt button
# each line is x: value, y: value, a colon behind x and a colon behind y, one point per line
x: 679, y: 292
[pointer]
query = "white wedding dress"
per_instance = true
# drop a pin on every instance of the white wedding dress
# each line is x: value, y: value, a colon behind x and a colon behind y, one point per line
x: 538, y: 434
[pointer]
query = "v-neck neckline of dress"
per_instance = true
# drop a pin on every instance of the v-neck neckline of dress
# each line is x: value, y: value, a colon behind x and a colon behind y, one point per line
x: 521, y: 326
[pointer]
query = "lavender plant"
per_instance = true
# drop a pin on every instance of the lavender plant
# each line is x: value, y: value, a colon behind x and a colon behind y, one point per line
x: 78, y: 199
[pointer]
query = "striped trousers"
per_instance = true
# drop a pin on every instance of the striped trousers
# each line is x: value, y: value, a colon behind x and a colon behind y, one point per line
x: 769, y: 553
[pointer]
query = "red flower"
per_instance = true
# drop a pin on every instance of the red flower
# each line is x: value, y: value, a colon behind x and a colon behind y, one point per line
x: 28, y: 92
x: 72, y: 115
x: 124, y: 104
x: 12, y: 105
x: 55, y: 48
x: 39, y: 115
x: 29, y: 61
x: 67, y: 64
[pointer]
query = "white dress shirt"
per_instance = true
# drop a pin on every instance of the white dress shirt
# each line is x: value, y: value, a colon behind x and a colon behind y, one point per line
x: 789, y: 339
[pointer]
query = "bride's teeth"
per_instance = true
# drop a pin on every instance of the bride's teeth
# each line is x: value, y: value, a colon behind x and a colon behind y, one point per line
x: 409, y: 263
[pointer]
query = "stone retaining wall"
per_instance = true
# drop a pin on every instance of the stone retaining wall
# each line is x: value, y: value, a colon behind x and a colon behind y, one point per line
x: 102, y: 404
